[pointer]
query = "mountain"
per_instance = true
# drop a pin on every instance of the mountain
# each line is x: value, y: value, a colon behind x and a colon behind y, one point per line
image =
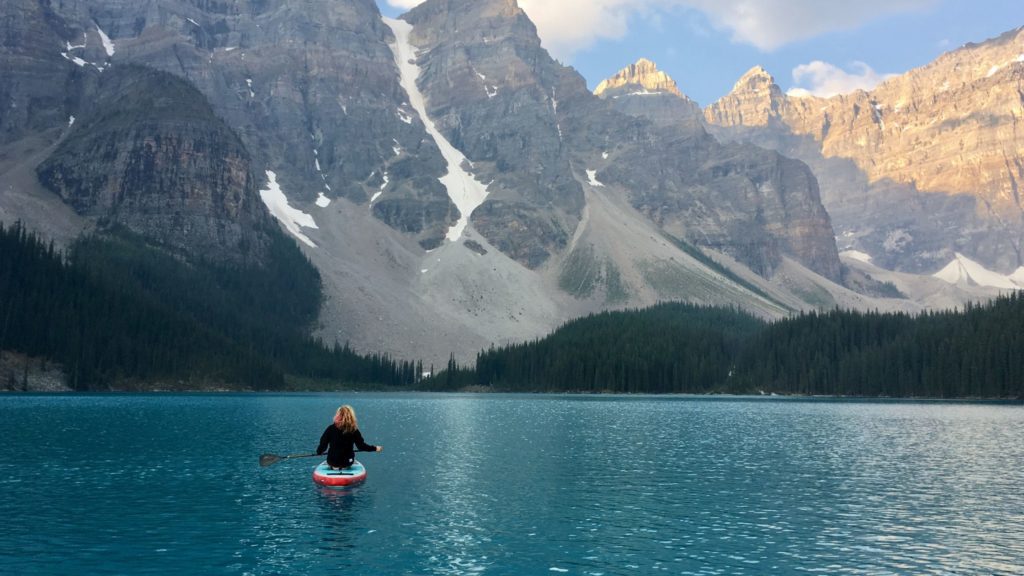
x: 642, y: 90
x: 310, y: 88
x: 148, y: 154
x: 751, y: 204
x: 453, y: 184
x: 643, y: 77
x: 923, y: 167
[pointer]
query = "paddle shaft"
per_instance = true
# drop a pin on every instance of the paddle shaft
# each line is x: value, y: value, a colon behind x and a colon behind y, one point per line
x: 312, y: 455
x: 271, y: 459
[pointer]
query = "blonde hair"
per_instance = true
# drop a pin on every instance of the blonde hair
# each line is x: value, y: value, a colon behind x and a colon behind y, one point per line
x: 345, y: 419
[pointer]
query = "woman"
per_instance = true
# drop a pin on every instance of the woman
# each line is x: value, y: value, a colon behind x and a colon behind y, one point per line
x: 341, y: 436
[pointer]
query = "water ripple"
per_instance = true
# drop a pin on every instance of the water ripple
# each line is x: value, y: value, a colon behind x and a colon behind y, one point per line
x: 512, y: 484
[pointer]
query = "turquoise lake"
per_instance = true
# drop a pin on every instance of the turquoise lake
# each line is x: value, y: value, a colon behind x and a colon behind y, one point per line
x: 496, y: 484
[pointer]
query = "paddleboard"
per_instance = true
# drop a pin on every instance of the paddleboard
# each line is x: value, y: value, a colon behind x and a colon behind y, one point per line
x: 325, y: 476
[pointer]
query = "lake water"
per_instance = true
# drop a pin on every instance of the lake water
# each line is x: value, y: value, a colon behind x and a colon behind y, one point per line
x: 468, y: 484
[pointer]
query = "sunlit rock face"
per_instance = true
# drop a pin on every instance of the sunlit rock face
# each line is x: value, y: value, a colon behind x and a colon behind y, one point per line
x: 926, y: 165
x: 642, y: 76
x: 751, y: 203
x: 642, y: 90
x: 755, y: 100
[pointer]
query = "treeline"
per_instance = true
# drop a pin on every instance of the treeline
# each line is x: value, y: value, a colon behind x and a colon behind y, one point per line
x: 114, y: 311
x: 669, y: 348
x: 681, y: 348
x: 975, y: 352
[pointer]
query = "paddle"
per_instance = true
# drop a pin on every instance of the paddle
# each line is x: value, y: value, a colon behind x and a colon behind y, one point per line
x: 271, y: 459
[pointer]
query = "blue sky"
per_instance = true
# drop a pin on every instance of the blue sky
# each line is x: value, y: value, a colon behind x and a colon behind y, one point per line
x: 706, y: 45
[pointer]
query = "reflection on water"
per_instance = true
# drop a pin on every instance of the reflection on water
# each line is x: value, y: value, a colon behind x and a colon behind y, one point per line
x: 512, y: 484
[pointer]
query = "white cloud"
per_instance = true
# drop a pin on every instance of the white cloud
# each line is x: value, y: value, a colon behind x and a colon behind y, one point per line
x: 823, y: 79
x: 406, y: 4
x: 568, y: 26
x: 769, y: 24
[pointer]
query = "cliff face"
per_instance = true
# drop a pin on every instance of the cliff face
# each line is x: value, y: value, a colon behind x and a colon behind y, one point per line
x: 532, y: 126
x: 946, y: 139
x: 581, y: 190
x: 310, y: 87
x: 642, y: 76
x: 495, y: 93
x: 34, y: 91
x: 643, y: 91
x: 151, y: 156
x: 755, y: 100
x: 748, y: 202
x: 314, y: 93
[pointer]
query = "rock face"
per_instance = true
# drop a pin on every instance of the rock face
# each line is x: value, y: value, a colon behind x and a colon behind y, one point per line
x: 494, y: 93
x: 531, y: 125
x: 926, y: 165
x: 747, y: 202
x: 592, y: 202
x: 755, y: 100
x: 642, y: 90
x: 310, y: 87
x: 643, y: 76
x: 35, y: 75
x: 151, y: 156
x: 314, y: 93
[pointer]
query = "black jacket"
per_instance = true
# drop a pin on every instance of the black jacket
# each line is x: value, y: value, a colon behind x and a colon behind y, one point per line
x: 340, y: 454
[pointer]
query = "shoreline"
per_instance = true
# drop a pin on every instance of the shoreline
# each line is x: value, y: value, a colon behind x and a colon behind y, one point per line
x: 220, y: 391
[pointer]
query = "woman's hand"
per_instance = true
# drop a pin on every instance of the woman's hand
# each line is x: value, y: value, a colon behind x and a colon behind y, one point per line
x: 379, y: 449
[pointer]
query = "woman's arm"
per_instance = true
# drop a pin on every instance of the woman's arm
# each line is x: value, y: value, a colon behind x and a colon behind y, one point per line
x: 362, y: 445
x: 325, y: 439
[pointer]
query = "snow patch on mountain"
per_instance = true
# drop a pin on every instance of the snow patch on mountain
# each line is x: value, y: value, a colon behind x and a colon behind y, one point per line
x: 856, y: 255
x: 963, y: 270
x: 74, y: 59
x: 108, y: 44
x: 85, y: 42
x: 377, y: 194
x: 293, y: 219
x: 592, y: 179
x: 465, y: 191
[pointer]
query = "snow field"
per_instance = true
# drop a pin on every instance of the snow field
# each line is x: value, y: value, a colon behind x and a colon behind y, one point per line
x: 465, y: 191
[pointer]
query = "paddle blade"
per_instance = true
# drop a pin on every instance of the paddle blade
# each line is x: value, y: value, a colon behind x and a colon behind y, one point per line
x: 268, y: 459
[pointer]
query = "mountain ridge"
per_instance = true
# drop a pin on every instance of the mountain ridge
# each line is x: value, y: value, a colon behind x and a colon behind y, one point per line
x: 589, y: 205
x: 946, y: 136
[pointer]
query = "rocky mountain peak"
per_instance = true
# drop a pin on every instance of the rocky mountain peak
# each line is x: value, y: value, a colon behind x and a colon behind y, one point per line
x: 894, y: 196
x: 755, y: 100
x: 757, y: 79
x: 643, y: 75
